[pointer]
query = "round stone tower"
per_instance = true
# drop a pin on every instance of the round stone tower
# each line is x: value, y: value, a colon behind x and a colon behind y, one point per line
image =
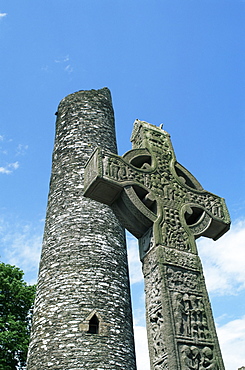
x: 82, y: 316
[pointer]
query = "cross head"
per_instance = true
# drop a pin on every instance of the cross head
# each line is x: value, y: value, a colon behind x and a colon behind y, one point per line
x: 156, y: 198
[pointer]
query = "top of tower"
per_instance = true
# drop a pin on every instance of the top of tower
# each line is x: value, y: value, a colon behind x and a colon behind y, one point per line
x: 90, y: 93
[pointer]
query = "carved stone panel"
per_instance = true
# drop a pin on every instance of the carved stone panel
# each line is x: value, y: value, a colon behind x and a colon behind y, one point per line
x: 183, y: 280
x: 181, y: 258
x: 156, y: 324
x: 197, y: 358
x: 189, y: 316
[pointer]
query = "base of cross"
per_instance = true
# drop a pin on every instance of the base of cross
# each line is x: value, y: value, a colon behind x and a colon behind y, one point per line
x: 180, y: 326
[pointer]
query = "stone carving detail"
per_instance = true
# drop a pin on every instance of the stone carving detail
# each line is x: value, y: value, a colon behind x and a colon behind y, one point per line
x: 180, y: 258
x: 174, y: 235
x: 210, y: 202
x: 190, y: 316
x: 154, y: 308
x: 117, y: 169
x: 182, y: 280
x: 146, y: 242
x: 155, y: 319
x: 156, y: 329
x: 197, y: 358
x: 197, y: 229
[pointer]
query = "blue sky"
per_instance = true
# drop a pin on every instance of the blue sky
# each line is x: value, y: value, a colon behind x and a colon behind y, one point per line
x: 178, y: 62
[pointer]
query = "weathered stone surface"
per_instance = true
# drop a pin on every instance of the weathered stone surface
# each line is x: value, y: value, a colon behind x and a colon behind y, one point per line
x: 83, y: 277
x: 166, y: 208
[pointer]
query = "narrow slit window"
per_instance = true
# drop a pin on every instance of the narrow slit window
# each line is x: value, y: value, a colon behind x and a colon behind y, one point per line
x: 93, y: 325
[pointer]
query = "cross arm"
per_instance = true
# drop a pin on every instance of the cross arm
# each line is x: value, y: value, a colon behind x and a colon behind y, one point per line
x: 121, y: 182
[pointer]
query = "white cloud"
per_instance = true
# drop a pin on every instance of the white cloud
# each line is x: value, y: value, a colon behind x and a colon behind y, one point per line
x: 21, y: 246
x: 232, y: 340
x: 14, y: 165
x: 5, y: 170
x: 141, y: 348
x: 224, y: 261
x: 9, y: 168
x: 23, y: 250
x: 135, y: 269
x: 2, y: 15
x: 11, y: 151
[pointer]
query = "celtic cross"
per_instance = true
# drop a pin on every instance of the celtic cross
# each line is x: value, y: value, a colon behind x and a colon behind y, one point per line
x: 166, y: 208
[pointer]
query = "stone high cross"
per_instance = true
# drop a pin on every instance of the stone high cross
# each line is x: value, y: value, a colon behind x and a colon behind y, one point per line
x: 166, y: 208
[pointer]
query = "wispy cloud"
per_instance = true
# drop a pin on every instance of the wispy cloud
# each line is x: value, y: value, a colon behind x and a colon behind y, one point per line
x: 21, y: 149
x: 9, y: 168
x: 223, y: 261
x: 63, y: 59
x: 69, y: 69
x: 21, y: 246
x: 2, y: 15
x: 10, y: 150
x: 62, y: 63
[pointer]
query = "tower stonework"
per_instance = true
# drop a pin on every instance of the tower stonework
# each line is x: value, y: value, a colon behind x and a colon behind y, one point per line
x: 82, y: 316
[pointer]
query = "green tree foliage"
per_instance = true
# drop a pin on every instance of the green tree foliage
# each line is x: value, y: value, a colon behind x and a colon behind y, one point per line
x: 16, y: 302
